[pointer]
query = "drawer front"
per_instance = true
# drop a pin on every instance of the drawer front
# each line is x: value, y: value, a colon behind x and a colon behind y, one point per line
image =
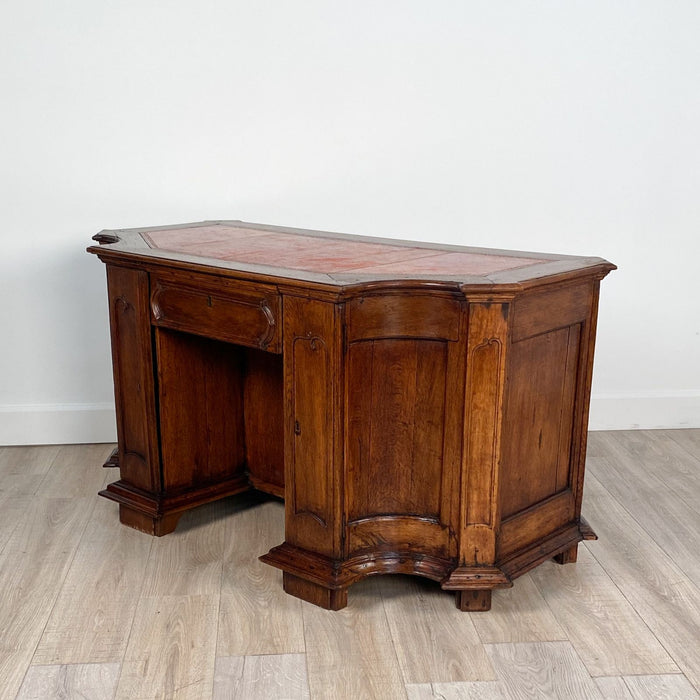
x: 236, y: 312
x: 427, y: 316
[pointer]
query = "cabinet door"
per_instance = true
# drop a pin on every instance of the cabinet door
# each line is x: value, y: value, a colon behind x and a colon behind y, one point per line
x: 132, y: 361
x: 313, y: 445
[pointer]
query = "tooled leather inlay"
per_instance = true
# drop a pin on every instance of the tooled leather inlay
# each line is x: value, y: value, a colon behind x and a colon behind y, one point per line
x: 325, y: 255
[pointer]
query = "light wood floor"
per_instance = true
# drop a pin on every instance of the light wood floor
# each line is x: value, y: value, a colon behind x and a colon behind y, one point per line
x: 92, y: 609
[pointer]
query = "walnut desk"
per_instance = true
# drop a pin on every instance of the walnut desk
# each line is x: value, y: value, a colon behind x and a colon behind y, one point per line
x: 421, y: 408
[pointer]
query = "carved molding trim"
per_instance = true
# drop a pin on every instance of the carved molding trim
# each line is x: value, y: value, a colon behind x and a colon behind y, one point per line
x: 316, y: 344
x: 270, y: 317
x: 337, y: 574
x: 476, y: 578
x: 484, y: 358
x: 124, y: 303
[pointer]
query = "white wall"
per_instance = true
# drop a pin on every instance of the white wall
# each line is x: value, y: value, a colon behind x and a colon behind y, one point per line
x: 556, y: 126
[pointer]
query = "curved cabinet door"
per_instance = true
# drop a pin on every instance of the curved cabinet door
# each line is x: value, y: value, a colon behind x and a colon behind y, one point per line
x: 405, y: 388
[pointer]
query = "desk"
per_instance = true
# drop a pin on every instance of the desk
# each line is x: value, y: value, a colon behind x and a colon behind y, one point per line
x: 421, y: 408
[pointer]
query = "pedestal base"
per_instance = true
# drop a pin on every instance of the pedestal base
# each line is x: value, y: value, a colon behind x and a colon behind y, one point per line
x: 327, y: 598
x: 568, y: 556
x: 474, y: 600
x: 158, y: 514
x: 158, y: 525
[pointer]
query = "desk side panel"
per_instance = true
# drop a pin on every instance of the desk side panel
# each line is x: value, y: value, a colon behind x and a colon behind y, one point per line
x: 132, y: 361
x: 546, y: 413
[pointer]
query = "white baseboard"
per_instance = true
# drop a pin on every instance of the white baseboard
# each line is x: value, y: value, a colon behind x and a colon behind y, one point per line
x: 645, y: 410
x: 59, y: 424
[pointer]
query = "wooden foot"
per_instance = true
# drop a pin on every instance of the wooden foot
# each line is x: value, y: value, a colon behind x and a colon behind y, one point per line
x: 112, y: 460
x: 474, y: 600
x: 328, y: 598
x: 586, y: 530
x: 158, y: 526
x: 568, y: 556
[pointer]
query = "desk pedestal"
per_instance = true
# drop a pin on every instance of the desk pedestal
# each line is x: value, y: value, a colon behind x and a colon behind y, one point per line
x: 433, y: 435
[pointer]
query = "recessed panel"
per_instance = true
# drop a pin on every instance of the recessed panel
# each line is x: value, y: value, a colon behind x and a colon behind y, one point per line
x: 200, y: 385
x: 264, y: 420
x: 395, y: 427
x: 538, y: 418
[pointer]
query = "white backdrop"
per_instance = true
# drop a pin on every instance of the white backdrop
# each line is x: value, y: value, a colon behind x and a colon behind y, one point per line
x: 556, y: 126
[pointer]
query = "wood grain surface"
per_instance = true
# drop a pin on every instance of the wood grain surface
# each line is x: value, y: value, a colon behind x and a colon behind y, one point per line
x: 85, y: 608
x: 261, y: 677
x: 607, y: 633
x: 70, y: 681
x: 350, y: 654
x: 431, y: 643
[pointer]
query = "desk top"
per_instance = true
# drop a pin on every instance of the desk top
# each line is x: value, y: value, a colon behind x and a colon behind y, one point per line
x: 332, y: 259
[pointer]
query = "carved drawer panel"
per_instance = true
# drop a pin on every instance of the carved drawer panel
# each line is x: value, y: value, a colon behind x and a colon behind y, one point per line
x: 238, y: 312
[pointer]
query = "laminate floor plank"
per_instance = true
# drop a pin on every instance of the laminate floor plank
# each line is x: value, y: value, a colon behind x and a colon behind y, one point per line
x: 666, y: 518
x: 188, y: 561
x: 349, y: 653
x: 171, y: 650
x: 31, y: 459
x: 90, y: 681
x: 473, y: 690
x: 19, y: 485
x: 543, y: 670
x: 658, y: 453
x: 669, y: 687
x: 13, y: 666
x: 433, y: 640
x: 22, y: 469
x: 688, y: 439
x: 609, y: 636
x: 518, y: 614
x: 613, y: 688
x: 655, y: 687
x: 256, y: 616
x: 33, y: 566
x: 76, y: 472
x: 281, y: 676
x: 92, y: 617
x: 11, y: 510
x: 665, y: 598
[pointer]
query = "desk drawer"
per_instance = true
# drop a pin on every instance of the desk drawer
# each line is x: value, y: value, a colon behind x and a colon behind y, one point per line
x: 236, y: 312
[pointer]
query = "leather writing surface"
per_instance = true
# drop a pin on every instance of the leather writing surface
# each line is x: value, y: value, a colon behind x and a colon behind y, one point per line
x: 326, y: 255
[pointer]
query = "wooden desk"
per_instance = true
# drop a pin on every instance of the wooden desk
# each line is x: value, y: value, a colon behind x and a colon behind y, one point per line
x: 421, y: 408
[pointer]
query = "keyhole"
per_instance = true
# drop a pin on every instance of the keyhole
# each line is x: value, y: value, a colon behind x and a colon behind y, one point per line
x: 297, y: 428
x: 208, y: 301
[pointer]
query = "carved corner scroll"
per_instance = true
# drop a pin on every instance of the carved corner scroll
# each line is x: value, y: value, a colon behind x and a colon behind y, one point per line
x: 105, y: 238
x: 266, y: 339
